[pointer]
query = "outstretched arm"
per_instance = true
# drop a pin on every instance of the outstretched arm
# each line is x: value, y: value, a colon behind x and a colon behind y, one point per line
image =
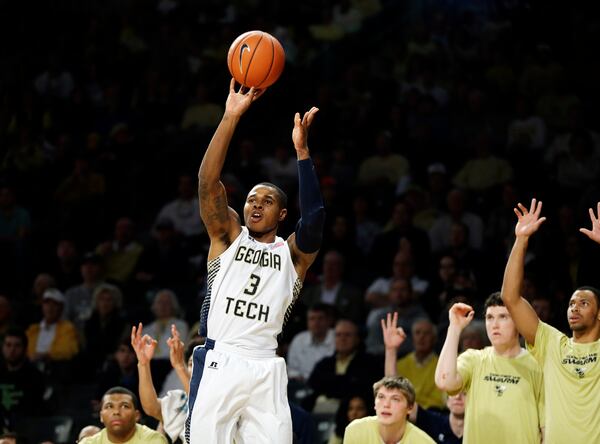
x: 524, y: 316
x: 393, y: 338
x: 221, y: 222
x: 594, y: 233
x: 305, y: 242
x: 447, y: 377
x: 177, y: 358
x: 144, y: 350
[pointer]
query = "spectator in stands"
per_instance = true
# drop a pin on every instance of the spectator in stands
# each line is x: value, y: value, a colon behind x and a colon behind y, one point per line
x: 365, y: 226
x: 119, y: 371
x: 419, y: 365
x: 66, y: 264
x: 52, y: 339
x: 400, y: 300
x: 315, y: 343
x: 351, y: 408
x: 22, y: 384
x: 348, y: 370
x: 385, y: 167
x: 79, y: 298
x: 440, y: 233
x: 334, y: 290
x: 403, y: 267
x: 164, y: 261
x: 183, y: 211
x: 474, y: 336
x: 170, y: 410
x: 388, y: 242
x: 106, y: 326
x: 120, y: 413
x: 167, y: 312
x: 122, y: 253
x: 394, y: 399
x: 483, y: 171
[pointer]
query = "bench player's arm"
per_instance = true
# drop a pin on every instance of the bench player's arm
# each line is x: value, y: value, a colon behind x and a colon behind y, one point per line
x: 305, y: 242
x: 523, y: 315
x: 447, y: 377
x: 222, y: 222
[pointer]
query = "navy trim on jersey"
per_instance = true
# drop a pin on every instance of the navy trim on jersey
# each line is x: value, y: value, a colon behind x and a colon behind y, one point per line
x: 198, y: 368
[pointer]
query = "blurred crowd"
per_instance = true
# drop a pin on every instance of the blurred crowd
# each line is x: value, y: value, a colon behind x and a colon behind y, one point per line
x: 435, y: 119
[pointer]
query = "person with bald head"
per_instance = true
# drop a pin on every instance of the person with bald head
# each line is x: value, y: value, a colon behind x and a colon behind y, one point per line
x: 419, y: 365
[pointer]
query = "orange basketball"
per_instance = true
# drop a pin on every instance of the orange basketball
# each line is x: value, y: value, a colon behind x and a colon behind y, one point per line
x: 256, y: 58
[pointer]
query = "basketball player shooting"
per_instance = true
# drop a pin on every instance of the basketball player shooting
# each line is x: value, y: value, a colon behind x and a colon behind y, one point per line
x: 238, y: 391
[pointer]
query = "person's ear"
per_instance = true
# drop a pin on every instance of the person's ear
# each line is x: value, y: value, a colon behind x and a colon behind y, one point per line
x: 282, y: 214
x: 138, y: 416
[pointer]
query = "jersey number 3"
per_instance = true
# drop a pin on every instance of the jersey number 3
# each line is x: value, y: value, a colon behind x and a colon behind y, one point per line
x: 252, y: 285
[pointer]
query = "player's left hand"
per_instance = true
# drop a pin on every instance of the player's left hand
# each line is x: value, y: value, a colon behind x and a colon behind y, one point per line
x: 300, y: 131
x: 594, y: 233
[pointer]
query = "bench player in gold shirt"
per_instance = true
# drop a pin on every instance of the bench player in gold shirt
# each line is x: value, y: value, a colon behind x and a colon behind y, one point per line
x: 570, y: 365
x: 503, y: 382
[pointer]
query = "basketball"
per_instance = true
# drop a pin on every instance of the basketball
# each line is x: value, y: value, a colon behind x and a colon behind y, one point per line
x: 256, y: 59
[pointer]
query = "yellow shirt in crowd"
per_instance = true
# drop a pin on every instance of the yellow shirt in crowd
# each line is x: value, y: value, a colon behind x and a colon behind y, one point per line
x: 422, y: 377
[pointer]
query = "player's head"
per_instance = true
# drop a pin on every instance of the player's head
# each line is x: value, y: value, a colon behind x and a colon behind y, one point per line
x: 583, y: 313
x: 394, y: 399
x: 501, y: 329
x: 265, y: 208
x: 119, y: 413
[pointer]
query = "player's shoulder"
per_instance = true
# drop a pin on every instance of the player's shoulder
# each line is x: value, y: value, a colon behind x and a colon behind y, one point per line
x: 414, y: 435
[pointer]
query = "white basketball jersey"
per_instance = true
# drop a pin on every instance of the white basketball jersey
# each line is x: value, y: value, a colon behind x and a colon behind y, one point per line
x: 251, y: 288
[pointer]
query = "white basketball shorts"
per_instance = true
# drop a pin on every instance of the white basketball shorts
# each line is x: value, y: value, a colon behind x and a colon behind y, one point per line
x: 237, y: 396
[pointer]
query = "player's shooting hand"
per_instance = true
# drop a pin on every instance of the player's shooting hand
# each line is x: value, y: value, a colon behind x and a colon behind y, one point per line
x: 176, y: 348
x: 529, y: 220
x: 460, y: 315
x: 239, y: 101
x: 594, y: 233
x: 393, y: 336
x: 300, y: 131
x: 144, y: 347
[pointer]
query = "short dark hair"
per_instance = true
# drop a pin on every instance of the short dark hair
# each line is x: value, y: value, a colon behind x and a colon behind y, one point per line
x: 322, y: 307
x: 593, y: 290
x: 17, y: 333
x: 399, y: 383
x: 118, y: 390
x: 494, y: 300
x: 281, y: 196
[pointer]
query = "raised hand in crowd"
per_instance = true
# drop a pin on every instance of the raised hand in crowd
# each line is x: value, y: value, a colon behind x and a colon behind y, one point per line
x: 393, y: 338
x: 594, y: 233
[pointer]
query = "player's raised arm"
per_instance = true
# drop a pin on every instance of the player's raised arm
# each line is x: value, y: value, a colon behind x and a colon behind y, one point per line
x: 214, y: 210
x: 305, y: 242
x: 447, y: 377
x: 594, y: 233
x: 523, y: 314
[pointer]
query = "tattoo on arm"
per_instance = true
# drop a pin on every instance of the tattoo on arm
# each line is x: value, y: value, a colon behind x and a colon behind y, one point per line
x: 213, y: 207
